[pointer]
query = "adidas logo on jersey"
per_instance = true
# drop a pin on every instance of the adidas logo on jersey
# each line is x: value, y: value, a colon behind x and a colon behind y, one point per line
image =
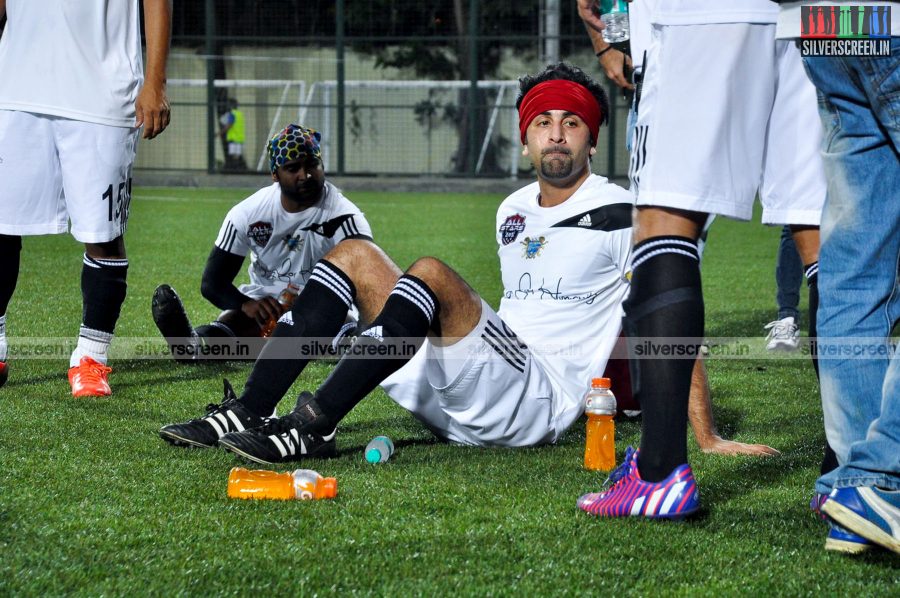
x: 586, y: 221
x: 376, y: 332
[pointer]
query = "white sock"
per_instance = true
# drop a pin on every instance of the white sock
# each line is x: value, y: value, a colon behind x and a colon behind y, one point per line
x: 3, y: 345
x: 93, y: 344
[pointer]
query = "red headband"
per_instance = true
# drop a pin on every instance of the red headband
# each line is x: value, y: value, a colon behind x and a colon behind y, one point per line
x: 560, y: 94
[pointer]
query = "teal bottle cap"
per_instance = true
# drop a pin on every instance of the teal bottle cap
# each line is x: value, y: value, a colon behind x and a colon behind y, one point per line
x: 373, y: 455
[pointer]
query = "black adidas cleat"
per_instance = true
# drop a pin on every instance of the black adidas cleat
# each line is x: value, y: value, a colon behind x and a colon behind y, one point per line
x: 172, y: 322
x: 4, y: 372
x: 230, y: 416
x: 288, y: 438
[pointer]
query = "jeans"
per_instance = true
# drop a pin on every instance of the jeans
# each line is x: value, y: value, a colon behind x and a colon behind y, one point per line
x: 788, y: 276
x: 859, y: 102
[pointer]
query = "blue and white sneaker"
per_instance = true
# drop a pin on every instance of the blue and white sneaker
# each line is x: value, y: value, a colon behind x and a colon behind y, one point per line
x: 629, y: 496
x: 838, y: 539
x: 870, y: 512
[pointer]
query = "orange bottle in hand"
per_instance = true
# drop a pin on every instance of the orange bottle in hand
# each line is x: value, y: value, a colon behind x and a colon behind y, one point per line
x: 302, y: 484
x: 286, y: 299
x: 600, y: 444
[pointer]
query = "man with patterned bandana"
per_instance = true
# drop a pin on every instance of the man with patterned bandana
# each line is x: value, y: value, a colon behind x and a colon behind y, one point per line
x: 286, y: 227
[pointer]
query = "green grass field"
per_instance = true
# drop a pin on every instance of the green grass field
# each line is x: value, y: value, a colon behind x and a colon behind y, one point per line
x: 93, y: 503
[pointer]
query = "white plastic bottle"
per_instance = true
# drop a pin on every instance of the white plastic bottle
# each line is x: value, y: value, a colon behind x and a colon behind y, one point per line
x: 379, y: 449
x: 614, y: 14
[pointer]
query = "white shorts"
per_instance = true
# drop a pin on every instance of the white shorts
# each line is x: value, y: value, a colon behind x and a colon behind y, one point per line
x: 726, y: 111
x: 56, y: 169
x: 485, y: 390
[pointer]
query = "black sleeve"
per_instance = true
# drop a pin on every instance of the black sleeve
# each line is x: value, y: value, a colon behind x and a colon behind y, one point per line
x: 217, y: 285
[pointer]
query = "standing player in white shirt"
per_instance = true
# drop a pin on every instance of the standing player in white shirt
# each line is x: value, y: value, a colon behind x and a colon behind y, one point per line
x: 286, y: 228
x: 73, y: 98
x: 707, y: 138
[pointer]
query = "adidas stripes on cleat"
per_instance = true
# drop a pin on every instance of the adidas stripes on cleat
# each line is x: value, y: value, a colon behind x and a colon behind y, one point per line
x: 284, y: 439
x: 629, y: 496
x: 204, y: 432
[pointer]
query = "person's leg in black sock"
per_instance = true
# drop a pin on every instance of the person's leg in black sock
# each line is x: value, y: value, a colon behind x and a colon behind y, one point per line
x: 11, y: 250
x: 829, y: 459
x: 103, y: 290
x: 410, y: 311
x: 666, y: 301
x: 318, y: 313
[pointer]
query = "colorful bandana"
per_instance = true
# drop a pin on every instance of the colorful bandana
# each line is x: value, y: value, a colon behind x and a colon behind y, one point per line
x: 292, y: 143
x: 560, y: 94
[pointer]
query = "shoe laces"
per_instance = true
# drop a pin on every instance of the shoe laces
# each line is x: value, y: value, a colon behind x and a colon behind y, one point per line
x: 93, y: 372
x: 780, y: 329
x: 279, y: 425
x: 619, y: 473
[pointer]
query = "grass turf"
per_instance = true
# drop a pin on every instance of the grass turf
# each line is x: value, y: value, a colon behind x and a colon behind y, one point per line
x: 92, y: 502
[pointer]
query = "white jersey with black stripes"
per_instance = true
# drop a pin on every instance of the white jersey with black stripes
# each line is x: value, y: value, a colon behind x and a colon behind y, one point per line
x: 565, y: 272
x: 284, y: 246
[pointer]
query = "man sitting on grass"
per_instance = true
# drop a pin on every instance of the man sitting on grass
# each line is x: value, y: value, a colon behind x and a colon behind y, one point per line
x: 286, y: 227
x: 479, y: 377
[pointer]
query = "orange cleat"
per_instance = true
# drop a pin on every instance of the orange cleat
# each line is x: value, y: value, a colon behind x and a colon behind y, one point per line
x: 88, y: 379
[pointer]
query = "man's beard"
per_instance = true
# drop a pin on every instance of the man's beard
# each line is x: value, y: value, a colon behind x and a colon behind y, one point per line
x: 557, y: 166
x: 309, y: 192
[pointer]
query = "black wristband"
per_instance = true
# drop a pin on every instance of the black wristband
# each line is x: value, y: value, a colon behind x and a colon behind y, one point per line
x: 603, y: 51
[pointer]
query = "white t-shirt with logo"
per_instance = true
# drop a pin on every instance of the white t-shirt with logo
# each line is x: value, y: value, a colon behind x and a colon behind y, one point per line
x: 285, y: 246
x: 78, y: 59
x: 565, y: 272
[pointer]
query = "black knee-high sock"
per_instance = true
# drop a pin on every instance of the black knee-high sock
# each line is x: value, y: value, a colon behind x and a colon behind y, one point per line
x: 10, y: 249
x: 666, y: 300
x: 409, y: 312
x: 812, y: 283
x: 103, y: 289
x: 829, y: 459
x: 317, y: 313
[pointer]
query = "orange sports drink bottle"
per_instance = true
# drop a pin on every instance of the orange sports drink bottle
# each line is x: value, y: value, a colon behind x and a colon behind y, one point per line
x: 285, y: 298
x: 302, y: 484
x: 600, y: 444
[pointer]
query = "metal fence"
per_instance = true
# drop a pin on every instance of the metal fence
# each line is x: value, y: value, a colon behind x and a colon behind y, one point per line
x: 397, y: 87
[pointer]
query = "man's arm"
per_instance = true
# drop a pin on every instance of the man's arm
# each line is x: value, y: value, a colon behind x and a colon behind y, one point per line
x: 613, y: 62
x: 152, y: 105
x: 587, y: 14
x: 217, y: 286
x: 2, y: 8
x: 701, y: 418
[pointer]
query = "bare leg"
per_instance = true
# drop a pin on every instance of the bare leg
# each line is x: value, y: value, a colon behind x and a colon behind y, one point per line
x: 704, y: 425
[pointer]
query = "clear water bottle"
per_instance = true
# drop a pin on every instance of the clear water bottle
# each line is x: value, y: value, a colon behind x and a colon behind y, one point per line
x: 614, y: 14
x: 301, y: 484
x: 600, y: 442
x: 379, y: 449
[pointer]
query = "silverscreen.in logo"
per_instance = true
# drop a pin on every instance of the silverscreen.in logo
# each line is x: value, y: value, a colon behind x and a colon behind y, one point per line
x: 845, y: 30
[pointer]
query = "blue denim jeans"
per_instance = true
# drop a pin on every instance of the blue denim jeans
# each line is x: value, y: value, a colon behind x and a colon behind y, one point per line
x: 859, y: 102
x: 788, y: 276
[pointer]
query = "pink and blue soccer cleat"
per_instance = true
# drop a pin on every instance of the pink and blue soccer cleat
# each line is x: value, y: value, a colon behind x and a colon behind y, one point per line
x: 629, y: 496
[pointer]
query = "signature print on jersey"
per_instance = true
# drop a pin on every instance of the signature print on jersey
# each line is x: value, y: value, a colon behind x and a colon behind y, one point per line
x: 260, y: 232
x: 511, y: 228
x: 533, y: 246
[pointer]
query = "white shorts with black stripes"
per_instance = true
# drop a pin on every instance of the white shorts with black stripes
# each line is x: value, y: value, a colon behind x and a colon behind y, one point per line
x: 484, y: 390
